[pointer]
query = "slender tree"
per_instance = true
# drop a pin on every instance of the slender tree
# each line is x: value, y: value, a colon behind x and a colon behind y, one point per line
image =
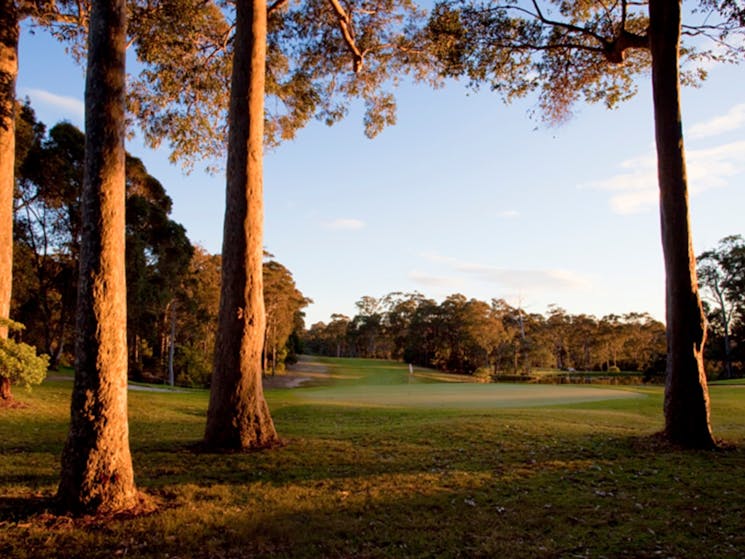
x: 592, y: 49
x: 9, y: 31
x: 238, y: 416
x: 11, y: 14
x: 721, y: 272
x: 283, y: 303
x: 97, y: 471
x: 686, y: 394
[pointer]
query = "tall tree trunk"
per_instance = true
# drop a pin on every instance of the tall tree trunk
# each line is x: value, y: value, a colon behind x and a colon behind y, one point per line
x: 96, y: 463
x: 238, y: 417
x: 9, y: 31
x: 686, y: 393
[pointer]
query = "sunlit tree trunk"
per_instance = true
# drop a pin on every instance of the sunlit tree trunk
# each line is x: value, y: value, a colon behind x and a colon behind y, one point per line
x: 238, y: 416
x: 9, y: 32
x: 96, y: 464
x: 686, y: 393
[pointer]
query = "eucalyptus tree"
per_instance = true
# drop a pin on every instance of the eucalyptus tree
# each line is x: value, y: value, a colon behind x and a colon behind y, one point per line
x: 592, y: 50
x: 283, y: 301
x: 47, y: 231
x: 721, y: 272
x: 12, y: 12
x: 97, y: 474
x: 158, y: 255
x: 311, y: 57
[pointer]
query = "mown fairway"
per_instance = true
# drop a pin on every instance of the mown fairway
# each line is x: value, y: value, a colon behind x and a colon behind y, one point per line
x: 379, y: 464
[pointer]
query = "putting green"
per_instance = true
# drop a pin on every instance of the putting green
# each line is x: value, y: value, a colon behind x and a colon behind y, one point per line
x: 460, y: 396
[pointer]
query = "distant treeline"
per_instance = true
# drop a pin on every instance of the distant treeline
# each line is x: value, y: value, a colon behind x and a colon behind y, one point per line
x: 463, y: 335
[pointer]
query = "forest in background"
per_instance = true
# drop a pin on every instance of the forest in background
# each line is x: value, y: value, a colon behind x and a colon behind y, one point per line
x: 173, y: 286
x: 173, y: 296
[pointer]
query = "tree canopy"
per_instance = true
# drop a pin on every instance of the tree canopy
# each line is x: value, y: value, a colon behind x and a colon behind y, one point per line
x: 322, y: 56
x: 566, y: 52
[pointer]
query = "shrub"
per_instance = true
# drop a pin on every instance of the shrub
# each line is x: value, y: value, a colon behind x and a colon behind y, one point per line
x: 19, y: 363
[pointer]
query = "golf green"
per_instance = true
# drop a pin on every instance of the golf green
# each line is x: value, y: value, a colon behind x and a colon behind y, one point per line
x: 469, y: 396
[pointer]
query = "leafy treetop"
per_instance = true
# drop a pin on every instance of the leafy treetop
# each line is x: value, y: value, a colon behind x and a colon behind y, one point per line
x: 567, y: 51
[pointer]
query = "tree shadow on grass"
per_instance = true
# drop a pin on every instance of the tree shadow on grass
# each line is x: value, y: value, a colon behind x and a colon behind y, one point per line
x: 631, y: 508
x: 23, y: 509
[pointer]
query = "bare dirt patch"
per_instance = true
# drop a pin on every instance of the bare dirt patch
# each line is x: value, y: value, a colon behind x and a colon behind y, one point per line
x: 302, y: 372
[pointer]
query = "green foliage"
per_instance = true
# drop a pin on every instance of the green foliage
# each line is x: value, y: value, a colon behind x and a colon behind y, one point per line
x: 47, y: 237
x: 49, y: 175
x: 19, y: 362
x: 284, y: 303
x: 193, y: 366
x: 721, y: 274
x: 196, y: 314
x: 463, y: 335
x: 570, y: 51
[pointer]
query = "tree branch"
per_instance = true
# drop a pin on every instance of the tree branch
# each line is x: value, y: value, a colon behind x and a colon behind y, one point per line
x: 567, y: 26
x: 276, y: 5
x: 345, y: 25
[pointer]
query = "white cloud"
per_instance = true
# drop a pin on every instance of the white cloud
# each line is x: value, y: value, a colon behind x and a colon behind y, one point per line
x: 71, y: 106
x: 508, y: 214
x: 437, y: 258
x: 439, y: 282
x: 511, y: 279
x: 636, y: 190
x: 344, y: 224
x: 528, y: 280
x: 734, y: 119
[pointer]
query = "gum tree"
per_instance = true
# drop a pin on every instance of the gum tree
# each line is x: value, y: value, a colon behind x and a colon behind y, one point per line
x: 592, y: 50
x: 721, y: 272
x: 97, y: 475
x: 12, y: 12
x: 309, y: 58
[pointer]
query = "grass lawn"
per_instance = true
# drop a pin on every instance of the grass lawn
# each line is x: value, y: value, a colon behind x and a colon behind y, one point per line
x: 380, y: 464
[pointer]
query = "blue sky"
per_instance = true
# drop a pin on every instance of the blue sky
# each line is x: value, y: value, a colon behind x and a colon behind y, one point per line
x: 465, y: 194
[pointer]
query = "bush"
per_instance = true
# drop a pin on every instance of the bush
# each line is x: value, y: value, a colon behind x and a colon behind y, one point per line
x: 613, y: 369
x: 19, y: 363
x: 482, y: 374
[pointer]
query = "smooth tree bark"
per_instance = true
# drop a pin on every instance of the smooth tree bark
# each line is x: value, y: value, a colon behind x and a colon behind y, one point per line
x: 97, y: 474
x: 686, y: 393
x: 9, y: 33
x: 238, y: 417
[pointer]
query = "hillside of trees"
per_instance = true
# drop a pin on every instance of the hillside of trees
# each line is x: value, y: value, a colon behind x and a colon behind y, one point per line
x: 173, y: 286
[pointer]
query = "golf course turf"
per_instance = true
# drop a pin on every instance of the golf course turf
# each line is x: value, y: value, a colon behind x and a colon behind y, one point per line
x: 379, y: 463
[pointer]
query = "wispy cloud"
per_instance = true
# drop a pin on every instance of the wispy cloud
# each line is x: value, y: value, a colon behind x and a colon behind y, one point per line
x: 508, y: 214
x: 523, y: 280
x: 70, y: 106
x: 343, y: 224
x: 528, y: 280
x: 439, y: 282
x: 635, y: 189
x: 732, y: 120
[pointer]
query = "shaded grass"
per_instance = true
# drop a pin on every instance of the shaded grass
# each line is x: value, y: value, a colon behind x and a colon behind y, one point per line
x: 576, y: 480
